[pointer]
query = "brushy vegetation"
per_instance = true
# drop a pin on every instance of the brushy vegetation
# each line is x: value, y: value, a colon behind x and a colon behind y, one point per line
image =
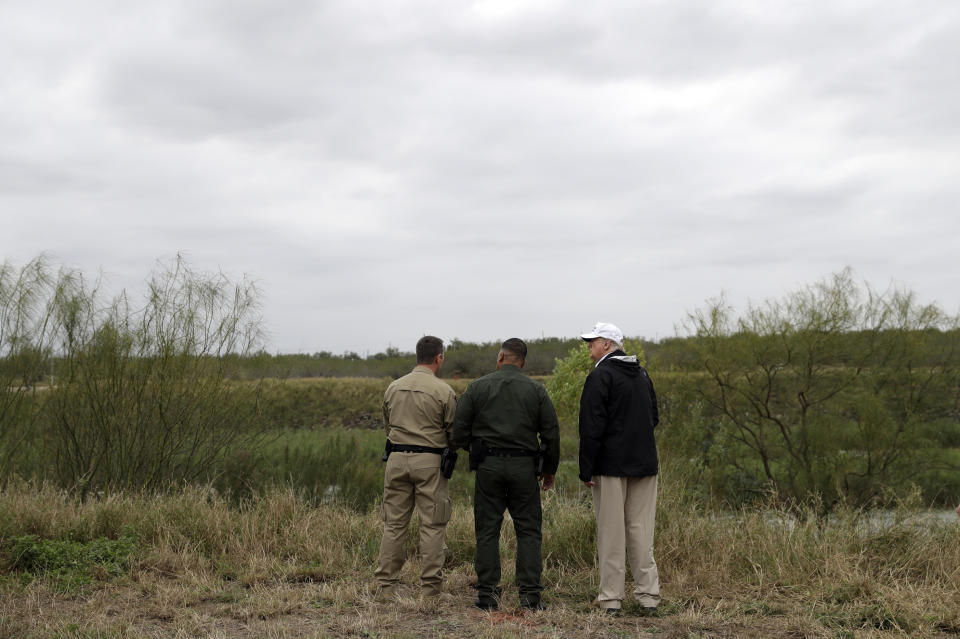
x: 333, y: 464
x: 136, y: 394
x: 172, y: 493
x: 834, y: 393
x: 198, y: 564
x: 462, y: 360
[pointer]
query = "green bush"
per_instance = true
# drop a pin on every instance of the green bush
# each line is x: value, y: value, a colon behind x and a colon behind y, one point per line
x: 138, y: 397
x: 827, y: 395
x: 70, y: 563
x: 569, y: 374
x: 25, y: 343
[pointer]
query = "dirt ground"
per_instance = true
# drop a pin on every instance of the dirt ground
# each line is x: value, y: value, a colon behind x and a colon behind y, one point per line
x: 154, y: 605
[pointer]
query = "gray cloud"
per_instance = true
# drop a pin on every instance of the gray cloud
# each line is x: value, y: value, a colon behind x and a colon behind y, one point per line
x: 485, y: 169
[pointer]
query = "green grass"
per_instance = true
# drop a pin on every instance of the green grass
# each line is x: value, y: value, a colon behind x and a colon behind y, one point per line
x: 325, y: 436
x: 344, y: 466
x: 351, y: 402
x: 70, y: 563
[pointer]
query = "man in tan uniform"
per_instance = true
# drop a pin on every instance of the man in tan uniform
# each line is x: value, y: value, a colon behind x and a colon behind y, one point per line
x: 418, y: 411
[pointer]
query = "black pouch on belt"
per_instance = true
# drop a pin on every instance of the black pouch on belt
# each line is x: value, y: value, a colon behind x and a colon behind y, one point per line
x: 539, y: 458
x: 448, y: 461
x: 478, y: 452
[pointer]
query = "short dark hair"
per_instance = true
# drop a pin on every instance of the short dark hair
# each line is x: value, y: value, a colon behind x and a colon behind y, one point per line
x: 428, y: 347
x: 515, y: 347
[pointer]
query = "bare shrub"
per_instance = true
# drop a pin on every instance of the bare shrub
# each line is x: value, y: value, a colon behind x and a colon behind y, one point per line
x: 24, y: 333
x: 142, y: 397
x: 834, y: 394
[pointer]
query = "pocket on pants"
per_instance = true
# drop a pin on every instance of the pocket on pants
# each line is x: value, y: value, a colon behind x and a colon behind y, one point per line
x: 426, y: 462
x: 441, y: 511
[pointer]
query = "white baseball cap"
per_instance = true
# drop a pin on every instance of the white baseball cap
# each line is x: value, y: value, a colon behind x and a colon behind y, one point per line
x: 606, y: 331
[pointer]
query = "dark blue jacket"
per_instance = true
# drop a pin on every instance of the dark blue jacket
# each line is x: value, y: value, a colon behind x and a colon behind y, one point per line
x: 618, y: 412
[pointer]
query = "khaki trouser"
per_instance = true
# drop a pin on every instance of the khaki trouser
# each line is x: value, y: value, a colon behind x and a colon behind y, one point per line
x: 413, y: 479
x: 626, y: 508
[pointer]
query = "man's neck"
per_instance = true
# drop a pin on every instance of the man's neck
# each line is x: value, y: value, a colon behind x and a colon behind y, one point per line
x: 606, y: 355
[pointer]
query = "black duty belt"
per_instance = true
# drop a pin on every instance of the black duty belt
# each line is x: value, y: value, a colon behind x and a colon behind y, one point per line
x: 510, y: 452
x: 404, y: 448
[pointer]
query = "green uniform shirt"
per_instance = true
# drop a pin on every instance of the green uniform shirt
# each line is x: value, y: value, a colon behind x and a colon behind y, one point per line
x: 507, y: 409
x: 418, y: 409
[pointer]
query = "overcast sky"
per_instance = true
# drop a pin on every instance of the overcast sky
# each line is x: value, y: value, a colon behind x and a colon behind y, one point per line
x: 484, y: 170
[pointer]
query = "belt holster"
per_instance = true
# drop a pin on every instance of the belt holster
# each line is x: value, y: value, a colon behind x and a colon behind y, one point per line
x: 539, y: 458
x: 448, y: 461
x: 478, y: 452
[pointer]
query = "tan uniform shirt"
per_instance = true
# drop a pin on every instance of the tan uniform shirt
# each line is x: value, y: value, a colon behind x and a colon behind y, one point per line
x: 418, y: 409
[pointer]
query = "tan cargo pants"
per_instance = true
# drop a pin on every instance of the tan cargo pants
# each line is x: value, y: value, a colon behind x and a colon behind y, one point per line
x: 413, y: 479
x: 626, y: 509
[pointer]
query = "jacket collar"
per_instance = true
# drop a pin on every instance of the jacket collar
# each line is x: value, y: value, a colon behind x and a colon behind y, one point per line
x: 616, y: 353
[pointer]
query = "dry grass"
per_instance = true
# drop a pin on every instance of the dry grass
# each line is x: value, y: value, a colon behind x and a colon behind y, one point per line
x: 280, y: 567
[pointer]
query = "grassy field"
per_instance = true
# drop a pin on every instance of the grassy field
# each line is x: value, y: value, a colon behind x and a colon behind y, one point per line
x: 325, y: 436
x: 194, y: 564
x: 283, y: 542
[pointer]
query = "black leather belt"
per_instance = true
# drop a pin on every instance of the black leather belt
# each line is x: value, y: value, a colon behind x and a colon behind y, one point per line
x: 404, y: 448
x: 510, y: 452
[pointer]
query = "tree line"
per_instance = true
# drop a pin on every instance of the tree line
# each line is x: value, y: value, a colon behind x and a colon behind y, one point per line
x: 834, y: 392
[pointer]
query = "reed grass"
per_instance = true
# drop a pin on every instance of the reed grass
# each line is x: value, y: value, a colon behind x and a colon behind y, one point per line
x: 282, y: 564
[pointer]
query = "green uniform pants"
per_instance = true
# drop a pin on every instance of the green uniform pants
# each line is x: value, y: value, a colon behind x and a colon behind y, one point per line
x: 508, y: 483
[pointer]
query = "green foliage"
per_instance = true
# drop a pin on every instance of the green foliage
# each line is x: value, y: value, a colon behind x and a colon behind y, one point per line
x: 468, y: 360
x: 24, y: 347
x: 138, y: 396
x: 570, y: 372
x: 260, y: 365
x: 566, y: 383
x: 824, y: 395
x: 332, y: 465
x: 70, y: 563
x: 834, y: 393
x: 463, y: 360
x: 314, y: 403
x: 142, y: 398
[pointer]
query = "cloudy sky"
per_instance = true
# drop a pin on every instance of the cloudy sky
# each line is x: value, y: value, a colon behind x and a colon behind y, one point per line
x: 485, y: 169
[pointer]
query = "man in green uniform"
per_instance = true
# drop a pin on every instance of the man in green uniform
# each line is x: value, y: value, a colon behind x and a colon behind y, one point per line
x: 418, y: 411
x: 501, y: 414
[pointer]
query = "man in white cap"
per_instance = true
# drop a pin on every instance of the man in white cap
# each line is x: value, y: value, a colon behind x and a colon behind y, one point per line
x: 618, y: 461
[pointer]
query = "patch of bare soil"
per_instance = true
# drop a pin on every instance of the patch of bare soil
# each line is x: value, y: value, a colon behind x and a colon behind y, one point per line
x: 153, y: 605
